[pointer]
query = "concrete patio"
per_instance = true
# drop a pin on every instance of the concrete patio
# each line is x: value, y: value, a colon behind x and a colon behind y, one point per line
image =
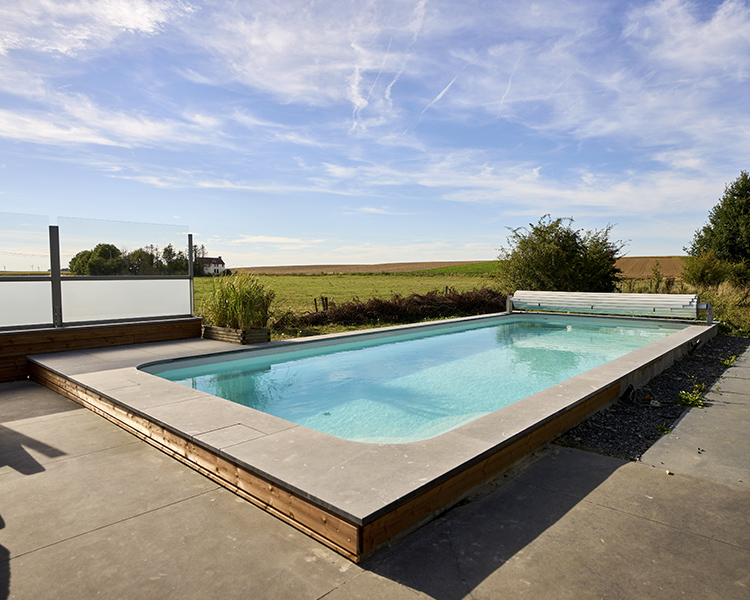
x: 88, y: 510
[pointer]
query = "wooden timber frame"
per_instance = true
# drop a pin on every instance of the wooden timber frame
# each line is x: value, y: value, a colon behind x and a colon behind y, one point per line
x: 15, y: 346
x: 236, y: 336
x: 354, y: 541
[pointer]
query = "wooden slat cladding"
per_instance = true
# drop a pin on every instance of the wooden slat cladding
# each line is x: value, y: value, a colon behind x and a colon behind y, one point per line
x: 15, y: 346
x: 421, y: 508
x: 319, y: 523
x: 236, y: 336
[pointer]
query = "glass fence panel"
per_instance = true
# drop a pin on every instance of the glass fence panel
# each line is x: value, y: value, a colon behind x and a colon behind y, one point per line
x: 104, y: 299
x: 24, y: 244
x: 115, y: 248
x: 25, y: 303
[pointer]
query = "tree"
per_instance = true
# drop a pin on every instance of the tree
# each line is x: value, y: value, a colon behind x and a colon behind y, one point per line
x: 553, y: 256
x: 727, y: 232
x: 175, y: 261
x: 79, y: 262
x: 199, y: 255
x: 705, y: 270
x: 142, y: 262
x: 107, y: 259
x: 104, y: 259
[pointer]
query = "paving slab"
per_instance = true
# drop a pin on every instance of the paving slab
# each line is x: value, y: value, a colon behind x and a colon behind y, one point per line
x: 736, y: 384
x: 739, y: 371
x: 69, y: 434
x: 92, y: 491
x: 214, y: 545
x: 675, y: 500
x: 545, y: 535
x: 709, y: 442
x: 27, y: 400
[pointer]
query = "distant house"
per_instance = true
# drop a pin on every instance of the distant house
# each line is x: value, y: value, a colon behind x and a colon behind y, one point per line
x: 211, y: 265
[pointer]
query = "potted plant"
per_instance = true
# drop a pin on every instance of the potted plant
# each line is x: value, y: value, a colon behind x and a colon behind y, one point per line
x: 237, y: 310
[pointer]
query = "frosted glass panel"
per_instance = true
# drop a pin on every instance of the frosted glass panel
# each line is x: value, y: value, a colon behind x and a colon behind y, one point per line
x: 124, y: 299
x: 25, y: 303
x: 24, y: 244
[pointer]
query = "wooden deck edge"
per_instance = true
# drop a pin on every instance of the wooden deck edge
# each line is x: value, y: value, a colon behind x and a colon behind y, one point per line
x: 15, y: 346
x: 422, y: 508
x: 315, y: 521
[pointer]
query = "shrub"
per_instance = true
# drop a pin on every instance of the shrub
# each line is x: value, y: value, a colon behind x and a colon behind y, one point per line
x: 239, y: 301
x: 656, y: 278
x: 551, y: 255
x: 739, y: 274
x: 731, y: 307
x: 705, y: 270
x: 409, y: 309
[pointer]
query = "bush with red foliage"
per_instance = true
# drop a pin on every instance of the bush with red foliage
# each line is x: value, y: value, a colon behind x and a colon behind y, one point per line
x: 409, y: 309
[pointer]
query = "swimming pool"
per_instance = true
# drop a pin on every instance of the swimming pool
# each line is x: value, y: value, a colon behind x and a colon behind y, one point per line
x: 413, y: 386
x: 351, y: 496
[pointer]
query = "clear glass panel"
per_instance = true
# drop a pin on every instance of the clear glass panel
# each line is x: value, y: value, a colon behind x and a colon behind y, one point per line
x: 121, y: 248
x: 25, y: 303
x: 24, y: 244
x: 104, y: 299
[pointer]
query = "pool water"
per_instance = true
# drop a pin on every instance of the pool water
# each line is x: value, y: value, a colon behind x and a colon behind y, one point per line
x: 414, y: 386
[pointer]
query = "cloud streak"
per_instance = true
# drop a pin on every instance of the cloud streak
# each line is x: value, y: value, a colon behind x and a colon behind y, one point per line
x: 437, y: 98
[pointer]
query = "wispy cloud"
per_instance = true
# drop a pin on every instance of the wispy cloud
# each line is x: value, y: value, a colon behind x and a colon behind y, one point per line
x: 79, y: 121
x: 69, y: 27
x: 336, y: 113
x: 376, y: 210
x: 265, y: 239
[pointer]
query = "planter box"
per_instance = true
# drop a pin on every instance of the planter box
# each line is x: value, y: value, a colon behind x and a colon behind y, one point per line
x: 236, y: 336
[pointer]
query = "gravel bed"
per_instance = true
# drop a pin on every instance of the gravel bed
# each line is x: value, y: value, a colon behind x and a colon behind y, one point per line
x: 628, y: 427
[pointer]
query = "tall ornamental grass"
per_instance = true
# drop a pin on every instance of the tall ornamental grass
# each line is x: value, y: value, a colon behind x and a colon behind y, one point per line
x: 239, y: 302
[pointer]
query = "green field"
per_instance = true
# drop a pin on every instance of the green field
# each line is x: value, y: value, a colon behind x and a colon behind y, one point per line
x: 297, y: 292
x: 481, y: 269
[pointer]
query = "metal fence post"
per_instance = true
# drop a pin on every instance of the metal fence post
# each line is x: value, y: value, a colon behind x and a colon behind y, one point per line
x: 190, y: 273
x: 54, y: 271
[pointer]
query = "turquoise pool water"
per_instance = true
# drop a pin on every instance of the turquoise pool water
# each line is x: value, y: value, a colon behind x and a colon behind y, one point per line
x: 413, y: 386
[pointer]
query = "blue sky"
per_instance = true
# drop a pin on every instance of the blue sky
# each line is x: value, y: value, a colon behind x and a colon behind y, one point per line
x: 312, y: 132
